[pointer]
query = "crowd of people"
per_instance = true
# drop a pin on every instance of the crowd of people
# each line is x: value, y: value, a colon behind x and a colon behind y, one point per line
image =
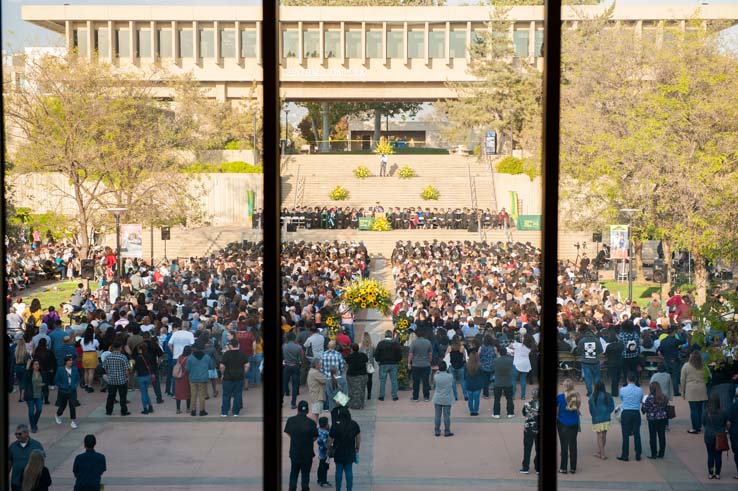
x: 347, y: 217
x: 29, y: 263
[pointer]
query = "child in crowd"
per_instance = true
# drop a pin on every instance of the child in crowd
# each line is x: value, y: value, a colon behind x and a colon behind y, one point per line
x: 323, y: 429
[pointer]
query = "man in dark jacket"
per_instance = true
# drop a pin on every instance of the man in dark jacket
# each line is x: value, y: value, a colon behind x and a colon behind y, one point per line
x: 388, y: 354
x: 670, y: 347
x: 18, y: 453
x: 89, y: 467
x: 589, y: 349
x: 303, y: 432
x: 503, y: 384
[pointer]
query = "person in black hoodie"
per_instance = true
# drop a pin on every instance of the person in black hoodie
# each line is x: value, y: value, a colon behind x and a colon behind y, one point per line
x: 613, y: 353
x: 388, y: 354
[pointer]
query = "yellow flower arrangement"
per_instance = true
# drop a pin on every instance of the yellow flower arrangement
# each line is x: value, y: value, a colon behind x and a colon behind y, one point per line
x: 367, y: 294
x: 381, y: 224
x: 402, y: 328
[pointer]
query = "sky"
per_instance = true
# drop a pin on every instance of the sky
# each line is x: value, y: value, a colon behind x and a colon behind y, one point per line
x: 17, y: 34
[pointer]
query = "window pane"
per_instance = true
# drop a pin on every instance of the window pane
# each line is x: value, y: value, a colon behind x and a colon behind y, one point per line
x: 123, y: 41
x: 102, y: 41
x: 353, y: 44
x: 457, y: 44
x: 207, y: 43
x: 144, y: 43
x: 416, y: 44
x: 311, y: 44
x: 374, y: 44
x: 228, y: 43
x: 395, y: 47
x: 164, y: 43
x: 80, y: 41
x: 332, y: 44
x: 539, y: 44
x: 289, y: 44
x: 520, y: 39
x: 185, y: 43
x: 437, y: 44
x: 248, y: 43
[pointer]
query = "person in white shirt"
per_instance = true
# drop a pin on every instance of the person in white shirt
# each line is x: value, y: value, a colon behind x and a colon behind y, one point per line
x: 20, y: 307
x: 14, y: 322
x: 180, y: 339
x: 315, y: 343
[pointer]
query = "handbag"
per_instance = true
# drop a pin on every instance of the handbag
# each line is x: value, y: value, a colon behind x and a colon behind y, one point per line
x: 178, y: 370
x: 721, y: 441
x: 670, y: 411
x: 370, y: 367
x: 617, y: 413
x: 341, y: 398
x: 151, y: 374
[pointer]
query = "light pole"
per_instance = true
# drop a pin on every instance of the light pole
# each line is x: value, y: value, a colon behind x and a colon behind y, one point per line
x: 286, y: 129
x: 117, y: 213
x: 630, y: 212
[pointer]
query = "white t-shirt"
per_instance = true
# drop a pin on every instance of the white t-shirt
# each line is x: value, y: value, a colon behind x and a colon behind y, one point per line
x: 146, y: 327
x: 92, y: 346
x: 521, y: 359
x: 179, y: 341
x: 316, y: 341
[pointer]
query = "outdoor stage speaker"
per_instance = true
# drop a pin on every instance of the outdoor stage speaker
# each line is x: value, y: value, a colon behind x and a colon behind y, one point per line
x: 292, y: 227
x: 88, y: 269
x: 597, y: 237
x: 165, y: 233
x: 473, y: 227
x: 659, y: 271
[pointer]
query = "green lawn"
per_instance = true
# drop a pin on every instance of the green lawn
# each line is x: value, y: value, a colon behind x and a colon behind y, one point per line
x: 56, y: 293
x: 640, y: 290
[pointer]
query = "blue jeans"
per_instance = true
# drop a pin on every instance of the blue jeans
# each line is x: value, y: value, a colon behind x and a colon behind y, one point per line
x: 349, y: 331
x: 384, y: 370
x: 695, y: 414
x: 591, y: 372
x: 446, y: 411
x: 169, y: 386
x: 523, y: 376
x: 291, y: 373
x: 474, y: 400
x: 234, y: 389
x: 347, y: 469
x: 143, y: 385
x: 458, y: 374
x: 253, y: 375
x: 34, y: 410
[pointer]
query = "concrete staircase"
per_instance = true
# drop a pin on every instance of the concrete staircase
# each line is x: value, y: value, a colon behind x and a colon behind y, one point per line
x: 308, y: 180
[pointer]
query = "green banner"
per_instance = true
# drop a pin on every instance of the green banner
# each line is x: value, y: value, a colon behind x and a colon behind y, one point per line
x: 250, y: 198
x: 365, y: 223
x: 514, y: 211
x: 529, y: 222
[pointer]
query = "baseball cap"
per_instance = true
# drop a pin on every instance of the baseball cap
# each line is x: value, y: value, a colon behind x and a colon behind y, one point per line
x: 302, y: 407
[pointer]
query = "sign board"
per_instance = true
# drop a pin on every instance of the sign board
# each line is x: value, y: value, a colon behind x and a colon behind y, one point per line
x: 490, y: 143
x: 529, y: 222
x: 365, y: 223
x: 619, y: 241
x: 131, y: 240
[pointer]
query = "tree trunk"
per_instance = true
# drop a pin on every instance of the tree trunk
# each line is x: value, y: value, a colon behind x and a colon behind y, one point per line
x: 700, y: 278
x: 325, y: 144
x: 315, y: 130
x: 638, y: 260
x: 82, y: 220
x: 377, y: 126
x: 666, y: 247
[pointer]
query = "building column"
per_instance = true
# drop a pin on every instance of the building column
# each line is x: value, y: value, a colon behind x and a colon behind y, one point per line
x: 532, y: 40
x: 300, y: 46
x: 111, y: 41
x: 91, y: 48
x: 324, y: 145
x: 468, y: 41
x: 342, y: 45
x: 154, y: 43
x: 384, y: 43
x: 447, y: 47
x: 69, y: 35
x: 258, y: 42
x: 321, y: 42
x: 195, y: 44
x: 216, y: 41
x: 426, y: 38
x: 132, y: 44
x: 363, y: 43
x: 404, y: 42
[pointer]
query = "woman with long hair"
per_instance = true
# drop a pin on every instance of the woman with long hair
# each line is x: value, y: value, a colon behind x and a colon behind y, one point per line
x: 33, y: 393
x: 21, y: 363
x: 601, y: 405
x: 715, y: 420
x: 90, y: 345
x: 356, y: 374
x: 487, y: 355
x: 474, y: 378
x: 182, y: 391
x: 567, y: 420
x: 654, y: 407
x: 521, y: 362
x: 143, y: 365
x: 456, y: 360
x: 344, y: 439
x: 36, y: 476
x: 335, y: 384
x: 367, y: 347
x: 694, y: 389
x: 47, y: 362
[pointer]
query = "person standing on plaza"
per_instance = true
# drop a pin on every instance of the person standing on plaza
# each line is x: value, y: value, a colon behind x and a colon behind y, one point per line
x: 568, y: 423
x: 367, y: 347
x: 694, y: 389
x: 67, y: 380
x: 531, y: 411
x: 303, y: 432
x: 521, y: 363
x: 142, y: 365
x: 36, y: 476
x: 419, y: 363
x: 90, y: 346
x: 671, y: 349
x: 487, y: 355
x: 33, y: 394
x: 388, y: 354
x: 443, y: 398
x: 292, y: 356
x: 715, y: 420
x: 334, y: 384
x: 589, y: 349
x: 234, y: 365
x: 116, y: 370
x: 630, y: 337
x: 614, y: 357
x: 197, y: 367
x: 382, y: 165
x: 19, y: 454
x: 654, y: 407
x: 630, y: 417
x: 474, y: 379
x: 323, y: 430
x: 356, y: 374
x: 89, y: 467
x: 47, y: 364
x: 344, y: 438
x: 503, y: 384
x: 181, y: 338
x: 314, y: 343
x: 21, y: 356
x: 316, y: 381
x: 456, y: 357
x: 182, y: 390
x: 601, y: 406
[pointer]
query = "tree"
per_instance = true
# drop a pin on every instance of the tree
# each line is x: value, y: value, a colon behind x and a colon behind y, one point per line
x: 653, y: 125
x: 106, y: 133
x: 363, y: 3
x: 505, y: 97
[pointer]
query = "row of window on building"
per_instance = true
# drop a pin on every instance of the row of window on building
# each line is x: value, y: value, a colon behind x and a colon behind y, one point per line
x: 162, y: 43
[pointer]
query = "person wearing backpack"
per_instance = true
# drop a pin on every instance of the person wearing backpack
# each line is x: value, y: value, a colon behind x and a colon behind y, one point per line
x: 631, y: 339
x: 182, y: 381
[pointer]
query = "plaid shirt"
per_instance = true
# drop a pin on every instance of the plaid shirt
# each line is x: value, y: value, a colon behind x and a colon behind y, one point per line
x: 332, y: 358
x: 116, y: 367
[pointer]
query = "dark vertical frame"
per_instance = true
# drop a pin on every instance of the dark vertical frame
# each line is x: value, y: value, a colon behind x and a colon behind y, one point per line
x: 4, y: 375
x: 272, y: 427
x: 551, y: 129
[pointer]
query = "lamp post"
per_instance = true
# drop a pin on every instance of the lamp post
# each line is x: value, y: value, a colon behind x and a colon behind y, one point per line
x: 117, y: 213
x: 286, y: 130
x: 630, y: 212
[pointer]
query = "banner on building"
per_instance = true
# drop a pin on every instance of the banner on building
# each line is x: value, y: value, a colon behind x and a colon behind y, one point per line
x: 131, y: 240
x: 619, y: 241
x: 514, y: 208
x: 250, y: 198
